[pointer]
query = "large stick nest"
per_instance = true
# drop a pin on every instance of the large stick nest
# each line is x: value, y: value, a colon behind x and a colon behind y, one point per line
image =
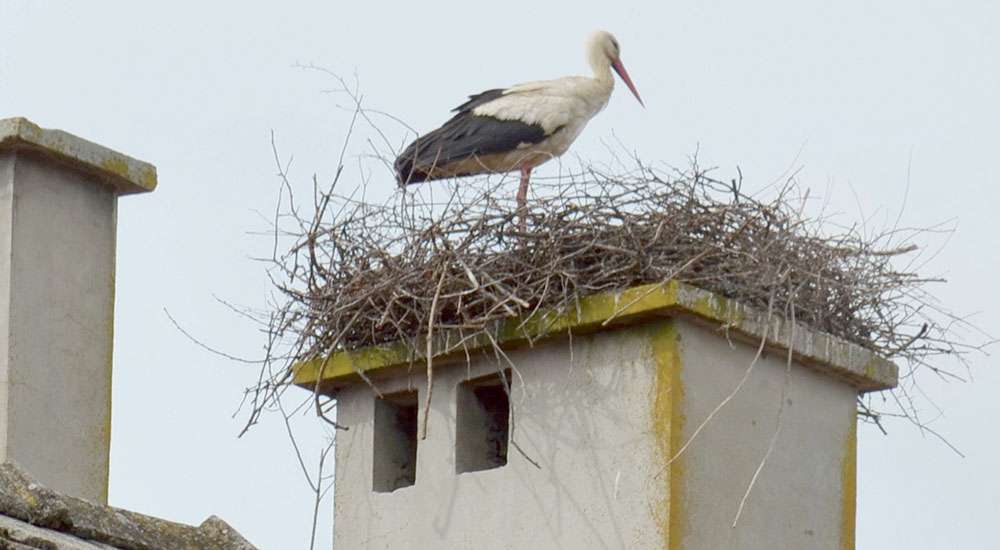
x: 362, y: 274
x: 372, y: 273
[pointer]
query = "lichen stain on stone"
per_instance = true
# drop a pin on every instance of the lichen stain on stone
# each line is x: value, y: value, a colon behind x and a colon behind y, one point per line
x: 147, y: 179
x: 849, y: 484
x: 116, y: 166
x: 668, y: 424
x: 28, y: 496
x: 718, y: 308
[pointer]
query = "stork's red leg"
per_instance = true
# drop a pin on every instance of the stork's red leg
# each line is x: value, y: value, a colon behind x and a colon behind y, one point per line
x: 522, y: 193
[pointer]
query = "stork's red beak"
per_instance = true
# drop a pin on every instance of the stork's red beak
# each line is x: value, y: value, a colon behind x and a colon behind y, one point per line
x: 620, y: 69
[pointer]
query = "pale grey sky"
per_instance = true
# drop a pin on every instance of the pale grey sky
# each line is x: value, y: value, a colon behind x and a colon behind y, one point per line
x: 871, y: 100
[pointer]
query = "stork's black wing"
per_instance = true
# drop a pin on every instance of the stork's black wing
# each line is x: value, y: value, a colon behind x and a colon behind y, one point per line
x: 465, y: 135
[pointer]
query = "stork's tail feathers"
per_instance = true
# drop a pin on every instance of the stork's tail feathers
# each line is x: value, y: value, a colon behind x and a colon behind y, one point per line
x: 407, y: 166
x: 404, y: 167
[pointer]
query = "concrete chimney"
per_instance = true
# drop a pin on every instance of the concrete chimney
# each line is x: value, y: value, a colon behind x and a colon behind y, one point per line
x: 58, y: 215
x: 609, y: 450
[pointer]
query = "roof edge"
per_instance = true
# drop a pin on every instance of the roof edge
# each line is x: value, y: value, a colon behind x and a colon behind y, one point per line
x: 24, y: 499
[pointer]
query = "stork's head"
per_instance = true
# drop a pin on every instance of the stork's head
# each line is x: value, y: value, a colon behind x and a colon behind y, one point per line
x: 603, y: 51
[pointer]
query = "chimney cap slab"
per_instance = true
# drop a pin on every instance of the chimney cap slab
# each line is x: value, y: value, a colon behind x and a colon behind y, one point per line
x: 126, y: 174
x: 858, y: 366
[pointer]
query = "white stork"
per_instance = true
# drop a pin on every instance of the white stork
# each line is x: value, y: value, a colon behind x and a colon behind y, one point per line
x: 519, y: 127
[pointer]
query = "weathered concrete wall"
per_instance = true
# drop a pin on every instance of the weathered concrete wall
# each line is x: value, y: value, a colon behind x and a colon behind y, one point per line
x: 582, y: 417
x: 57, y: 265
x: 602, y: 422
x: 804, y: 494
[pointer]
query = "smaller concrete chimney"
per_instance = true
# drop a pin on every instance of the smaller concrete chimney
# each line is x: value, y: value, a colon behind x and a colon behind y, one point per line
x: 58, y: 215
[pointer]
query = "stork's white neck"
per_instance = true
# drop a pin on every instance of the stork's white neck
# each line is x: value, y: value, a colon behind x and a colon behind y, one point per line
x: 599, y: 59
x: 602, y: 74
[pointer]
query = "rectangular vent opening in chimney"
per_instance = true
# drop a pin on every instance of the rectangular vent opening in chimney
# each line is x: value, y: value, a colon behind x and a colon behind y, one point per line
x: 395, y: 459
x: 483, y: 423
